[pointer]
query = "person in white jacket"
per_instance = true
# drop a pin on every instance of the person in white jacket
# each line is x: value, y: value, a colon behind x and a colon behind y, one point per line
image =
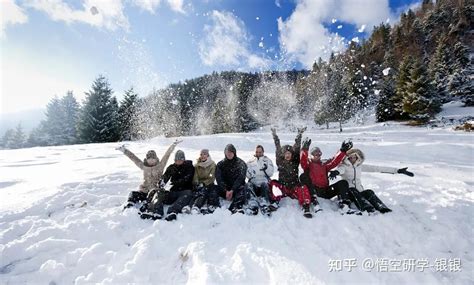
x: 259, y: 173
x: 351, y: 170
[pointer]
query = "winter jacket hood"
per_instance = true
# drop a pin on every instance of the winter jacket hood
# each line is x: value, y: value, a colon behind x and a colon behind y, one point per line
x: 358, y: 153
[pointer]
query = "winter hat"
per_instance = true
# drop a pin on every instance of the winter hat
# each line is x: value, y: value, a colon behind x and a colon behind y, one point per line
x: 315, y: 149
x: 179, y: 155
x: 230, y: 147
x: 151, y: 154
x: 286, y: 148
x: 205, y: 151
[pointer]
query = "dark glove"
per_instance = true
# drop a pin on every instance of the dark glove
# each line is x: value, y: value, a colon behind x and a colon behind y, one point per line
x: 301, y: 130
x: 333, y: 174
x: 161, y: 184
x: 345, y: 146
x: 274, y: 131
x: 265, y: 166
x: 405, y: 171
x: 306, y: 144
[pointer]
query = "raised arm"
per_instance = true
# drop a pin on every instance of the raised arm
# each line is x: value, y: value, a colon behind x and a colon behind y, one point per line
x: 376, y: 168
x: 278, y: 152
x: 166, y: 156
x: 132, y: 156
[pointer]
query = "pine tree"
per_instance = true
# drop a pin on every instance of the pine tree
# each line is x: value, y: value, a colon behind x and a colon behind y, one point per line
x: 385, y: 109
x: 18, y: 140
x: 69, y: 114
x: 98, y: 118
x: 7, y: 138
x: 403, y: 79
x: 127, y: 114
x: 419, y: 101
x: 54, y: 123
x: 461, y: 82
x: 441, y: 68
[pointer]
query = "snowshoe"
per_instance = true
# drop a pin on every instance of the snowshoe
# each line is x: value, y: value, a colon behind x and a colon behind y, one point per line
x: 171, y: 217
x: 307, y: 211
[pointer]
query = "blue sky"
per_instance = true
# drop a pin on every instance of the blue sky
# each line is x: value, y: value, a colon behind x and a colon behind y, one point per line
x: 49, y: 47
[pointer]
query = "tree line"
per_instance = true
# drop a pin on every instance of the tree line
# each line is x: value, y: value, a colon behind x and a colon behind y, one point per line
x: 401, y: 72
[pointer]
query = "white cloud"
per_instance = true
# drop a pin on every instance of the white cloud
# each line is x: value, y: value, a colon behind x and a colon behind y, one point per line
x: 152, y: 5
x: 305, y: 45
x: 11, y: 14
x: 110, y: 13
x: 226, y: 43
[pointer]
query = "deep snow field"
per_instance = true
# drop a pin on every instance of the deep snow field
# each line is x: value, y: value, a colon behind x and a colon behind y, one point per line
x: 61, y: 218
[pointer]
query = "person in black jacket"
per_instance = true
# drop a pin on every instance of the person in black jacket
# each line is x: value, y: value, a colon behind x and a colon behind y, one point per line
x: 230, y: 177
x: 288, y: 161
x: 180, y: 175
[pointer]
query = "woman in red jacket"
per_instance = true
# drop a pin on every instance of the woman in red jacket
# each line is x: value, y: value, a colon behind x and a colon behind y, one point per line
x: 316, y: 176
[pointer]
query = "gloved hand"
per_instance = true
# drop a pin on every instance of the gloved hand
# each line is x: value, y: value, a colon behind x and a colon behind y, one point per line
x: 121, y: 148
x: 177, y: 141
x: 306, y: 144
x: 333, y: 174
x: 345, y: 146
x: 274, y: 131
x: 405, y: 171
x: 301, y: 130
x: 265, y: 166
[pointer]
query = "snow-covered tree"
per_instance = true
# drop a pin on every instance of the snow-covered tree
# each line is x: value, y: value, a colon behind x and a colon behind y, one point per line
x: 98, y: 118
x: 127, y: 114
x: 420, y: 101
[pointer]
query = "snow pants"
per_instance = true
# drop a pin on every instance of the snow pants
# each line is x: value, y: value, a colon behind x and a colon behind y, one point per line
x: 367, y: 201
x: 238, y: 198
x: 300, y: 192
x: 176, y: 199
x: 205, y: 194
x: 339, y: 189
x: 135, y: 197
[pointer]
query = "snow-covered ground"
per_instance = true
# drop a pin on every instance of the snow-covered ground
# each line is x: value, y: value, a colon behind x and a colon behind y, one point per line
x: 61, y: 220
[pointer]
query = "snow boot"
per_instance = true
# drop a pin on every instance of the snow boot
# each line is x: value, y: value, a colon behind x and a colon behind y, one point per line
x: 307, y: 211
x: 317, y: 208
x: 344, y: 208
x: 237, y: 210
x: 375, y: 201
x: 186, y: 210
x: 195, y: 210
x: 171, y: 217
x: 273, y: 206
x: 265, y: 210
x: 150, y: 216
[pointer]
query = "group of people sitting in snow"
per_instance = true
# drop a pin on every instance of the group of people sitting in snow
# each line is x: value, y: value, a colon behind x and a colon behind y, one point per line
x: 191, y: 189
